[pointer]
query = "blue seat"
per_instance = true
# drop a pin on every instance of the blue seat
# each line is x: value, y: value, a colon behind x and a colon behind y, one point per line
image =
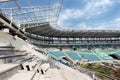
x: 56, y: 54
x: 73, y: 55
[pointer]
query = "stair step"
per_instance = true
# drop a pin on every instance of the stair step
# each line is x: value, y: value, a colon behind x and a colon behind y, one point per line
x: 37, y: 76
x: 7, y: 47
x: 8, y: 70
x: 23, y: 75
x: 9, y: 58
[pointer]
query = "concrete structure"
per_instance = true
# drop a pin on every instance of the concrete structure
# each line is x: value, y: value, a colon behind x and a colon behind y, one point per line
x: 36, y: 64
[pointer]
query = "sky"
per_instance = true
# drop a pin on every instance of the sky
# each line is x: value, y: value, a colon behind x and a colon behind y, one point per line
x: 90, y: 15
x: 84, y: 14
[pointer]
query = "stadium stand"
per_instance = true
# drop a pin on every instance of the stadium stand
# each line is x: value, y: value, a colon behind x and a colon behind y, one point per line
x: 57, y: 54
x: 73, y: 55
x: 103, y: 54
x: 89, y: 55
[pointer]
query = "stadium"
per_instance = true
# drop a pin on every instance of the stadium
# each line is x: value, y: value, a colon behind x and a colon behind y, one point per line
x: 34, y: 47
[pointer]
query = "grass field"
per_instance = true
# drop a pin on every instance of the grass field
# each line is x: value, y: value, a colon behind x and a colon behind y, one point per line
x: 101, y: 72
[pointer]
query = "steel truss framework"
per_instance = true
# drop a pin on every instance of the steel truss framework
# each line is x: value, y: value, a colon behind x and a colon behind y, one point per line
x: 33, y: 14
x: 5, y: 2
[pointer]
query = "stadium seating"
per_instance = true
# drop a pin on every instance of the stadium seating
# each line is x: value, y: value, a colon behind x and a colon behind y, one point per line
x: 73, y: 55
x: 115, y: 51
x: 112, y: 51
x: 93, y: 55
x: 56, y: 54
x: 118, y: 53
x: 89, y: 55
x: 103, y: 54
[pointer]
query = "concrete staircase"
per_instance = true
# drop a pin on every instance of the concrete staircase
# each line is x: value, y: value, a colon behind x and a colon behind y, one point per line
x: 8, y: 70
x: 14, y: 52
x: 6, y: 50
x: 31, y: 71
x: 25, y: 71
x: 9, y: 55
x: 23, y: 75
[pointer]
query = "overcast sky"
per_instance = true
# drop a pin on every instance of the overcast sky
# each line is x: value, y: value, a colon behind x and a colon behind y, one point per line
x: 90, y: 14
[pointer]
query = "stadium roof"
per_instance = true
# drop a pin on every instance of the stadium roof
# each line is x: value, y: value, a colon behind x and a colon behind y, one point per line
x: 46, y: 30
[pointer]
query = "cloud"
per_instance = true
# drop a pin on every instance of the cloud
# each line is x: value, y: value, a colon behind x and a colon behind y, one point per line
x: 115, y: 24
x: 117, y: 19
x: 96, y: 7
x: 84, y: 26
x: 111, y: 25
x: 69, y: 14
x: 92, y: 9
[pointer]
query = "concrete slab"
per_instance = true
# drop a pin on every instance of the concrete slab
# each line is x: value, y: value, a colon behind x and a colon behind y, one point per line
x: 6, y: 67
x: 23, y: 75
x: 8, y: 70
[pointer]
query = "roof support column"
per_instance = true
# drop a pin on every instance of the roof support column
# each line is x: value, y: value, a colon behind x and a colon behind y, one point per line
x: 52, y: 40
x: 44, y: 40
x: 60, y: 40
x: 49, y: 40
x: 74, y: 40
x: 67, y: 40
